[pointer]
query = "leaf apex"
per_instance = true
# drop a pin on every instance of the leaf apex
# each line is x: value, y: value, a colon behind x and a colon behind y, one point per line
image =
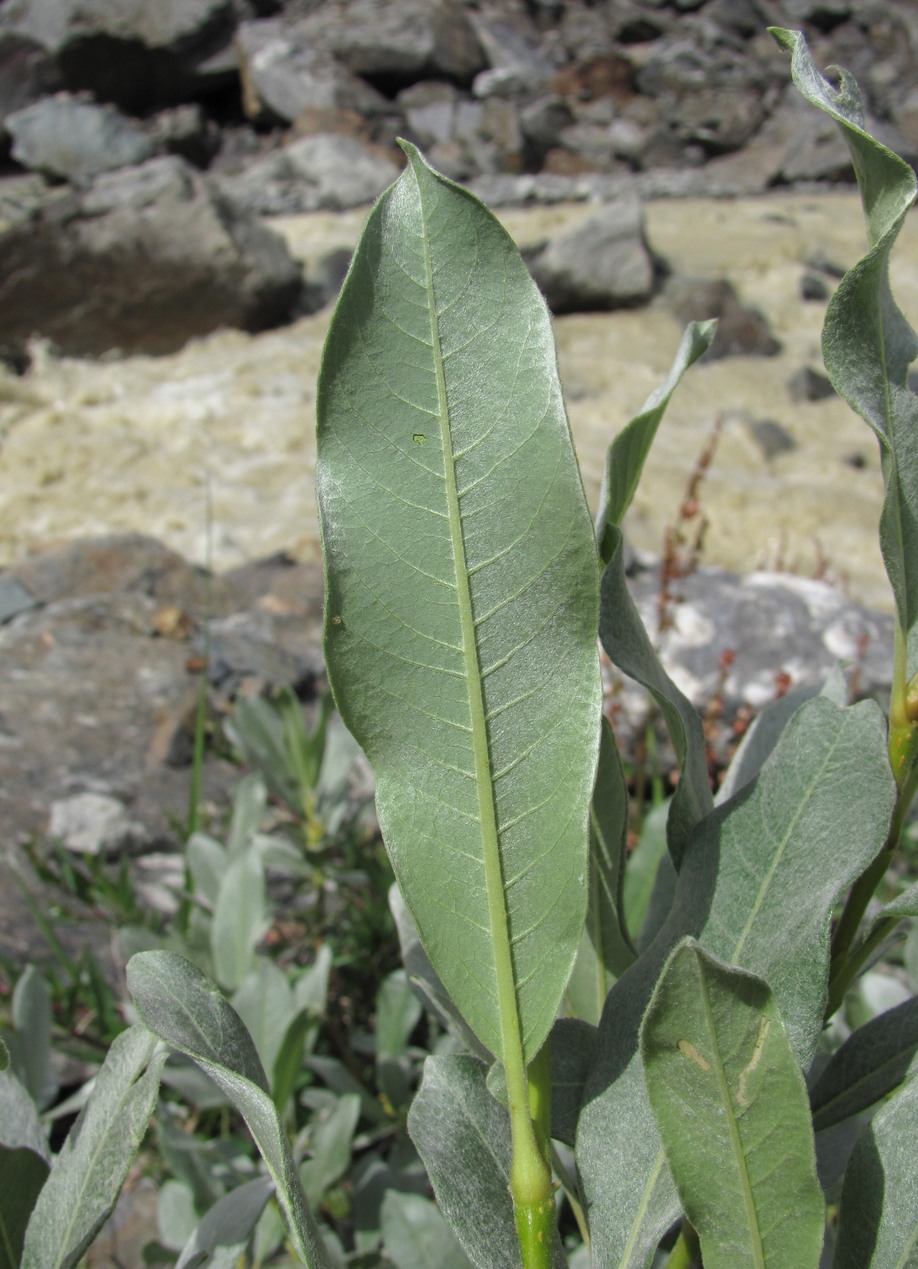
x: 787, y: 39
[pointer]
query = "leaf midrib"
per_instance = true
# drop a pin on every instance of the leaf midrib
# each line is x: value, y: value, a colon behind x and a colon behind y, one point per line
x: 507, y: 1004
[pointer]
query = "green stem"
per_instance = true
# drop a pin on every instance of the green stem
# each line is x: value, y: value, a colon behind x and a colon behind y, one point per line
x: 902, y: 717
x: 530, y: 1171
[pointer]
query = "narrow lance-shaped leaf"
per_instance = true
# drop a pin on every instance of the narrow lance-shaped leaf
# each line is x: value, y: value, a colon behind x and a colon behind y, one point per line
x: 878, y: 1218
x: 183, y: 1008
x: 228, y: 1226
x: 628, y: 452
x: 461, y: 597
x: 868, y: 346
x: 606, y: 949
x: 731, y: 1105
x: 872, y: 1062
x: 89, y: 1172
x: 625, y: 639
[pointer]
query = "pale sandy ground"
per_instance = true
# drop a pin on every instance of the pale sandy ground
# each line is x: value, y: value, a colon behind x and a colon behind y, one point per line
x: 90, y: 447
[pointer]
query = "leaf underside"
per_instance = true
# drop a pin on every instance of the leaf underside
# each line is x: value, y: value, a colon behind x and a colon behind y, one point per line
x: 461, y: 596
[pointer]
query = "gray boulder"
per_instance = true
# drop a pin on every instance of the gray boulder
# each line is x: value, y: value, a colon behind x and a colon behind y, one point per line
x: 143, y: 260
x: 72, y: 140
x: 286, y: 72
x: 741, y: 329
x: 413, y: 39
x: 320, y: 173
x: 137, y: 54
x: 27, y: 73
x: 743, y: 641
x: 603, y: 263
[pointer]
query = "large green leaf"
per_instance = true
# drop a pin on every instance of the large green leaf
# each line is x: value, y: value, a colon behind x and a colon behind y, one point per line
x: 89, y: 1172
x: 878, y: 1219
x: 869, y: 1065
x: 30, y: 1040
x: 183, y: 1008
x: 463, y: 1137
x: 461, y: 597
x: 867, y: 342
x: 731, y: 1105
x: 758, y: 883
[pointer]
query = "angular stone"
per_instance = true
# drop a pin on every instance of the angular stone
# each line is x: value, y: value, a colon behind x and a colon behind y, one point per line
x: 94, y: 824
x: 27, y: 73
x: 95, y: 701
x: 602, y: 264
x: 139, y: 55
x: 72, y: 140
x: 413, y: 39
x: 741, y: 329
x: 807, y: 384
x: 285, y: 72
x: 144, y: 260
x: 317, y: 173
x: 187, y: 132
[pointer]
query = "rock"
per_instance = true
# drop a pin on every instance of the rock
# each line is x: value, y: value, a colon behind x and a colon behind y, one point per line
x: 394, y: 44
x: 94, y: 824
x: 116, y: 564
x: 513, y: 49
x: 27, y: 73
x: 140, y: 56
x: 813, y: 287
x: 67, y: 139
x: 318, y: 173
x: 187, y: 132
x: 807, y: 384
x: 145, y: 259
x: 741, y: 330
x: 750, y: 639
x: 543, y: 122
x: 602, y: 264
x: 98, y: 704
x: 285, y: 73
x: 429, y: 109
x: 811, y: 144
x: 323, y: 280
x: 771, y: 437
